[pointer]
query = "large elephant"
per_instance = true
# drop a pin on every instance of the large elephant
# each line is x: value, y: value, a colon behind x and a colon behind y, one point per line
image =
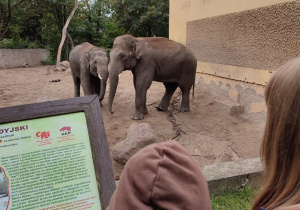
x: 89, y: 66
x: 152, y: 59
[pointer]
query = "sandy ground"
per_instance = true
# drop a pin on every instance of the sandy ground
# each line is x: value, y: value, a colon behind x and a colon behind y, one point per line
x: 208, y: 132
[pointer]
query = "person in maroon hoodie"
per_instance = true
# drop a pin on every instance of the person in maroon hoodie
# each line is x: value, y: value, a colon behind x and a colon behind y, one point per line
x: 161, y: 176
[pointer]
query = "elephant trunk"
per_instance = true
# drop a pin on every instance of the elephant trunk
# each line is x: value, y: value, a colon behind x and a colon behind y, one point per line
x: 113, y: 81
x: 103, y: 80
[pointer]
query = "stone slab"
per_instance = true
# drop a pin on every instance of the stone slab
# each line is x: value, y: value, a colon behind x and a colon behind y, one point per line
x: 230, y: 176
x: 231, y: 107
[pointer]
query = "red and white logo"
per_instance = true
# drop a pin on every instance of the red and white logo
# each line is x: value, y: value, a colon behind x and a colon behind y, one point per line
x: 66, y: 130
x: 43, y: 135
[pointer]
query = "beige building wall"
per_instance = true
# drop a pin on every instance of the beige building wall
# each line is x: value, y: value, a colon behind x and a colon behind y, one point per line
x: 238, y: 43
x: 182, y: 11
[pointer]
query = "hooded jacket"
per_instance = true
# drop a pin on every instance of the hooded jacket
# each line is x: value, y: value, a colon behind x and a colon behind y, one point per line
x: 161, y: 176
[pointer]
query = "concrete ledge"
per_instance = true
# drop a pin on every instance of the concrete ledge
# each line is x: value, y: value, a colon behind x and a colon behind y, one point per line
x: 233, y: 175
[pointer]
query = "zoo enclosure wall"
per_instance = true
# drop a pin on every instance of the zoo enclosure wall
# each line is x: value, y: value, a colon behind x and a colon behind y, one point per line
x: 16, y: 58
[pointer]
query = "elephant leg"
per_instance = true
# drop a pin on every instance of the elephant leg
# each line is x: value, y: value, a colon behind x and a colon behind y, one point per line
x: 76, y: 81
x: 134, y: 80
x: 141, y: 87
x: 185, y: 84
x: 165, y: 101
x: 87, y: 83
x: 185, y: 103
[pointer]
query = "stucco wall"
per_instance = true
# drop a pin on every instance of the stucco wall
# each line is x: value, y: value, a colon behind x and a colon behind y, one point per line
x: 241, y: 40
x: 262, y: 38
x: 14, y: 58
x: 182, y: 11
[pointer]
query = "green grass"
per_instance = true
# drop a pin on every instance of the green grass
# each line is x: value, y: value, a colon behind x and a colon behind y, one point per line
x: 237, y: 200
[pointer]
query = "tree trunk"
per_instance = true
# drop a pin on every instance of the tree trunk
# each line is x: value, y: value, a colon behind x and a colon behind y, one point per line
x: 8, y: 19
x: 66, y: 50
x: 64, y: 34
x: 3, y: 14
x: 70, y: 40
x: 149, y: 29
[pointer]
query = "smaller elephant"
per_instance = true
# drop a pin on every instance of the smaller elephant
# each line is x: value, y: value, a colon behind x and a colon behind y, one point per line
x: 89, y: 67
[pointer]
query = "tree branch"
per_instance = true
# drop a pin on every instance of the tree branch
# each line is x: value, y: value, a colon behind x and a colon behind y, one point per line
x: 10, y: 8
x: 70, y: 40
x: 64, y: 34
x: 2, y: 19
x: 16, y: 5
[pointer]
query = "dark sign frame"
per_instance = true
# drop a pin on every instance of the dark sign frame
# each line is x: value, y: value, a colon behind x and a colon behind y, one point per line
x: 90, y: 105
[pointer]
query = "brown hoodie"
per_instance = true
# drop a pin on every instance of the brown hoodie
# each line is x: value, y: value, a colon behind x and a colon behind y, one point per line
x: 161, y: 176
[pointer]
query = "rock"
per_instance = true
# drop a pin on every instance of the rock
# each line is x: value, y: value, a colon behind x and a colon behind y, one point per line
x: 139, y: 135
x: 25, y: 65
x: 65, y: 64
x: 61, y: 68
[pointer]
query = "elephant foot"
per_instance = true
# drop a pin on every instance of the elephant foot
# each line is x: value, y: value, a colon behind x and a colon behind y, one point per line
x: 161, y: 108
x: 184, y: 109
x: 137, y: 116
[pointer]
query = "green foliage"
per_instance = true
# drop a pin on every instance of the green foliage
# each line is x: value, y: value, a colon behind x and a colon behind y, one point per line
x: 237, y: 200
x: 112, y: 30
x: 48, y: 61
x: 12, y: 44
x: 19, y: 44
x: 143, y: 17
x: 39, y: 23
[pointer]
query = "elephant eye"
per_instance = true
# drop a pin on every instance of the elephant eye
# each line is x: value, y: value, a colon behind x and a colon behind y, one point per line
x: 122, y: 56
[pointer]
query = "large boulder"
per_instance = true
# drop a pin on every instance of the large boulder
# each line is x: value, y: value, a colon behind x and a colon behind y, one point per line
x: 139, y: 135
x: 65, y: 64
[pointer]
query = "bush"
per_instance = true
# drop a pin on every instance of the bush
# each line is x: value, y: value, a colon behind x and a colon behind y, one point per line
x: 48, y: 61
x: 19, y: 44
x: 12, y: 44
x: 35, y: 45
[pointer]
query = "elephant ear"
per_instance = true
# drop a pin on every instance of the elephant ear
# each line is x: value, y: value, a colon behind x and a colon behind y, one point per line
x: 84, y: 60
x: 137, y: 49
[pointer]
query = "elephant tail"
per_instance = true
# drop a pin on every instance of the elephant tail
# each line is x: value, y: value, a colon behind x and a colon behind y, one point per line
x: 194, y: 85
x: 193, y: 90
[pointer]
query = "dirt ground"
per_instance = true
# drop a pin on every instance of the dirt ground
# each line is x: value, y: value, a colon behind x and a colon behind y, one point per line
x: 208, y: 132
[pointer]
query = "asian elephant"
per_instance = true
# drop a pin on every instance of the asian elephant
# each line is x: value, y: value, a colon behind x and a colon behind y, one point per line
x: 152, y: 59
x: 89, y: 67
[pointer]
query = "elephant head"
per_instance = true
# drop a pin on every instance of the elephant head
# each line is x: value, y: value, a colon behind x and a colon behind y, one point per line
x: 124, y: 55
x: 97, y: 62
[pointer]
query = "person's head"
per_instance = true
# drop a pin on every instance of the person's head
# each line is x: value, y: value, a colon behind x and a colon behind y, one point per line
x: 280, y: 149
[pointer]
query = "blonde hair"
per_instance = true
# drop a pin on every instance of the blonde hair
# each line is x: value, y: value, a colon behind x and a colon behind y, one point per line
x: 280, y: 149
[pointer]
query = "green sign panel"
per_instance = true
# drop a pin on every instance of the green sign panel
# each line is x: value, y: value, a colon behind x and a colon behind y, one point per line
x: 46, y: 163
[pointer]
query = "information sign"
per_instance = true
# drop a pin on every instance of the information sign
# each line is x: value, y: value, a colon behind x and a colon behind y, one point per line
x: 54, y: 155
